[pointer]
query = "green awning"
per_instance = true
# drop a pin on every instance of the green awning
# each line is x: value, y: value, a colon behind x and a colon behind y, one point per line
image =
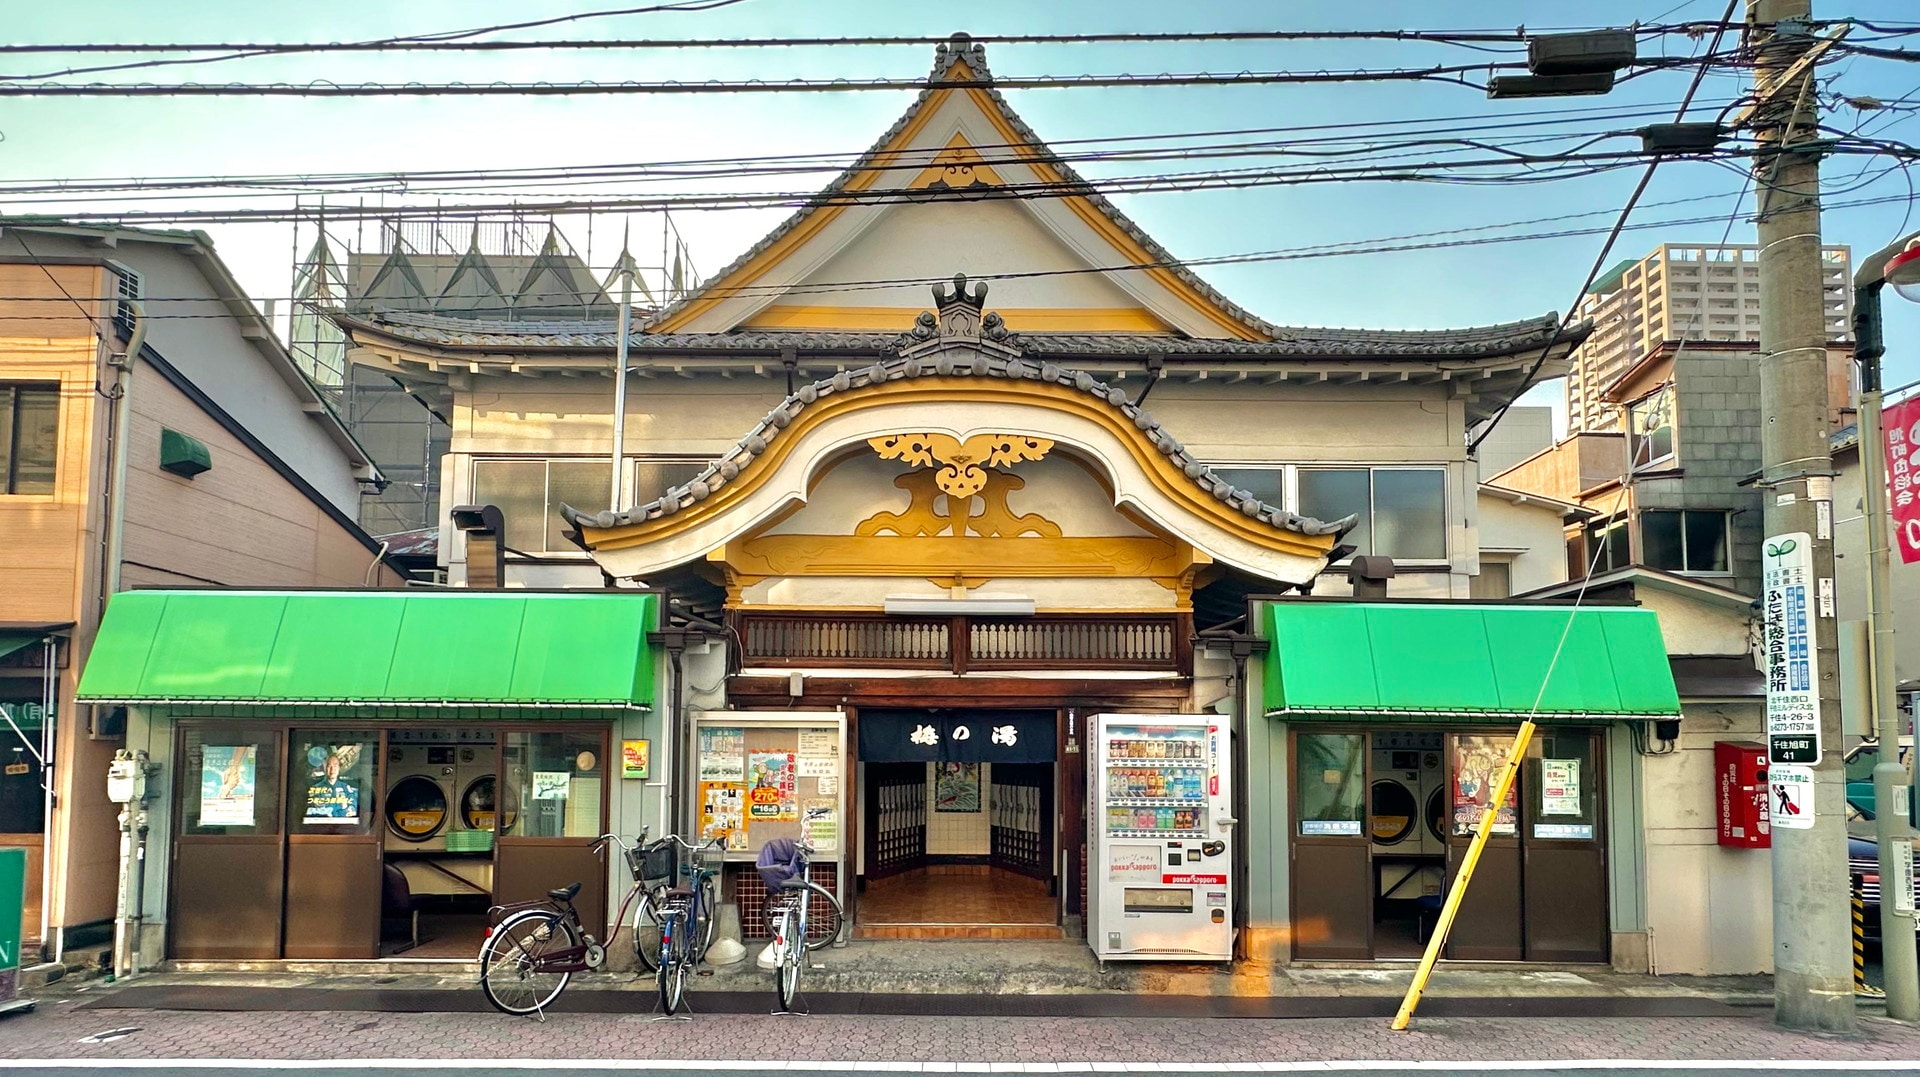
x: 487, y: 649
x: 11, y: 641
x: 1439, y: 661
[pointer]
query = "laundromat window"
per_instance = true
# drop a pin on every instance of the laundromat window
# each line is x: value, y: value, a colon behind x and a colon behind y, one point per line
x: 332, y: 781
x: 558, y: 781
x: 229, y: 782
x: 1330, y: 772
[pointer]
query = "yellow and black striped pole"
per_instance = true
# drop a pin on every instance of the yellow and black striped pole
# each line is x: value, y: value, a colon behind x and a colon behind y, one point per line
x: 1860, y: 986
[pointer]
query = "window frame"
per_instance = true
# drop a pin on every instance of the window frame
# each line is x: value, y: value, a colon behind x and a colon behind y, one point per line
x: 1290, y: 484
x: 10, y: 396
x: 629, y: 480
x: 1635, y: 437
x: 1726, y: 541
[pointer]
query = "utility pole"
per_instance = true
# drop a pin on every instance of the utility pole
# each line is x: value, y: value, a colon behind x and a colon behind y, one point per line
x: 1813, y: 975
x: 625, y: 270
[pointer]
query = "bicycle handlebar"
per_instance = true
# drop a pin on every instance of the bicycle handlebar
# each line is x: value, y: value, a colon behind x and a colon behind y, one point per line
x: 603, y: 839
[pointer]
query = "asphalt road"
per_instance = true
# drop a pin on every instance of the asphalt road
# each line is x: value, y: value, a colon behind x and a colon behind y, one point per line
x: 652, y: 1069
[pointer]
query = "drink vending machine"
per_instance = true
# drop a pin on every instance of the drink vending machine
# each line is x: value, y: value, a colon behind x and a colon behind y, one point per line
x: 1160, y: 863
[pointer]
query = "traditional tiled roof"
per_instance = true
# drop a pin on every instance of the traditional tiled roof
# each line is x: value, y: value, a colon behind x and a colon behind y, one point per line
x: 1489, y: 341
x: 963, y: 49
x: 738, y: 459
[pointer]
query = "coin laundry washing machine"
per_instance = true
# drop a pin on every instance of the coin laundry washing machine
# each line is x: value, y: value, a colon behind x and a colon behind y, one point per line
x: 420, y: 796
x: 1407, y: 813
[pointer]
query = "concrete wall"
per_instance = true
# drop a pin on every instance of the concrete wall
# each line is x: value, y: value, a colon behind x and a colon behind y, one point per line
x: 1709, y: 909
x: 1520, y: 434
x: 1717, y: 443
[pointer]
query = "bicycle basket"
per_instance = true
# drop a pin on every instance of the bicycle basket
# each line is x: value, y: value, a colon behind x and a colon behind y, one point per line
x: 657, y: 862
x: 781, y: 862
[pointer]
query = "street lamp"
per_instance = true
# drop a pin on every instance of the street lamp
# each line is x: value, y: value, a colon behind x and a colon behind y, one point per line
x: 1898, y: 264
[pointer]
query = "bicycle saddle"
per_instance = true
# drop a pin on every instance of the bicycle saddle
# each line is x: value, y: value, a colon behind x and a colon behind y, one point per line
x: 564, y: 893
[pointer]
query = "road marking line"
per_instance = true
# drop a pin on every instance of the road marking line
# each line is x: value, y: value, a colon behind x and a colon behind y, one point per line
x: 1191, y: 1069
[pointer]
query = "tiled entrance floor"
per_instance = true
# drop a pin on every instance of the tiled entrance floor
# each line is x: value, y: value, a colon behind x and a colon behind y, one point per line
x: 963, y: 903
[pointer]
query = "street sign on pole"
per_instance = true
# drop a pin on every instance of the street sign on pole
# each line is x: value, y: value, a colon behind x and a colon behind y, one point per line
x: 1791, y: 802
x: 1793, y: 675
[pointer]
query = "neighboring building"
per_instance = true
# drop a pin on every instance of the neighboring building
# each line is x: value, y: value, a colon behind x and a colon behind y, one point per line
x: 233, y: 471
x: 1679, y: 292
x: 1850, y: 575
x: 1520, y: 433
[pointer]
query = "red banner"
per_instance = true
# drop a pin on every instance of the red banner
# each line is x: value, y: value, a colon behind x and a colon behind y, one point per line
x: 1900, y: 429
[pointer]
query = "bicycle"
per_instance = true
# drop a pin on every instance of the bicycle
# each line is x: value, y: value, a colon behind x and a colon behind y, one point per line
x: 533, y: 948
x: 686, y: 920
x: 797, y: 928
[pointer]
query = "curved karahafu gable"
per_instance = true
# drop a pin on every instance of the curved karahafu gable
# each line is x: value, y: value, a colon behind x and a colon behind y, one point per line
x: 960, y: 374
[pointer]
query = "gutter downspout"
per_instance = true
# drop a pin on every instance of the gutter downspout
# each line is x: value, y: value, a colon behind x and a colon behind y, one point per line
x: 1244, y: 645
x: 675, y: 641
x: 49, y: 741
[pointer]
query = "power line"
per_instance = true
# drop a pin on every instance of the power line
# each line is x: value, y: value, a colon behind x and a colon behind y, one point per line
x: 1350, y: 248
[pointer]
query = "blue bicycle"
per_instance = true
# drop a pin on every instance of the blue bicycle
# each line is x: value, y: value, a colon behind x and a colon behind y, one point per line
x: 804, y: 915
x: 686, y: 917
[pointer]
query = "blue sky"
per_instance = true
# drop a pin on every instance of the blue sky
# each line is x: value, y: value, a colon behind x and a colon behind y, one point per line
x: 1429, y: 289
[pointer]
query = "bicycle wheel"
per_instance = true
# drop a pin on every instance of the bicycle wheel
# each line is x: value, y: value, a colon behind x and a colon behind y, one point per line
x: 709, y: 917
x: 675, y: 959
x: 646, y: 929
x: 786, y: 977
x: 510, y: 972
x: 823, y: 917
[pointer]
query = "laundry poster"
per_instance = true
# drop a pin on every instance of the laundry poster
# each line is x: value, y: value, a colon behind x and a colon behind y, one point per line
x: 723, y: 751
x: 1477, y: 763
x: 226, y: 785
x: 722, y: 813
x: 770, y: 787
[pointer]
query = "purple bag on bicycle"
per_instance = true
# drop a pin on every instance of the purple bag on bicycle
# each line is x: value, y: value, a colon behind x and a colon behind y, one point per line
x: 781, y: 863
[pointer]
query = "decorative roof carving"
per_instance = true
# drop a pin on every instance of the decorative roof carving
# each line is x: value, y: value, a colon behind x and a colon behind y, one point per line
x: 956, y: 363
x: 962, y: 320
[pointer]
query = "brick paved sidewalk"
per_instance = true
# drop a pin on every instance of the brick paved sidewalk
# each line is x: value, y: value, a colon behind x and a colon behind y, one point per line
x: 55, y: 1031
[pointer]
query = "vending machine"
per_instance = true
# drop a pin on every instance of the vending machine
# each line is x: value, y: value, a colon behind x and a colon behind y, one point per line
x: 1159, y: 818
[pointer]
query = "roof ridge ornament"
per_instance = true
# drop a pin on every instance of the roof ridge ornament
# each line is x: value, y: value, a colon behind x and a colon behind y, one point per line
x: 961, y: 49
x: 962, y: 321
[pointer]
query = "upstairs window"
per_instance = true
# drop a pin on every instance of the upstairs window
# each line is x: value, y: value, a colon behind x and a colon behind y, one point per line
x: 1650, y: 429
x: 1689, y: 540
x: 1606, y: 548
x: 29, y: 437
x: 529, y: 492
x: 1402, y: 510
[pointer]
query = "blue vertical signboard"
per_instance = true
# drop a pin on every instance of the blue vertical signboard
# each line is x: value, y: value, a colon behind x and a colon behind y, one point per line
x: 1793, y: 676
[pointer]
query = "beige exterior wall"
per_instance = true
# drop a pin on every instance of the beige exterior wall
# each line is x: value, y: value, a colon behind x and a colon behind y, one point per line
x: 1579, y: 463
x: 1531, y: 538
x: 1710, y: 909
x: 239, y: 524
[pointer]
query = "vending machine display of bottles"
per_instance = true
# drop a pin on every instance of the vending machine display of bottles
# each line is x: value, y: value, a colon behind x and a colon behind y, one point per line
x: 1156, y: 781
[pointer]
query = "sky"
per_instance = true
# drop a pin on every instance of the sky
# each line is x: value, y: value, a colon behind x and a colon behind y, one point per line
x: 43, y: 138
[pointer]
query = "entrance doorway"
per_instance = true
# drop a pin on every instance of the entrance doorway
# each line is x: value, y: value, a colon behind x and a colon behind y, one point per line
x: 960, y: 841
x: 1383, y: 821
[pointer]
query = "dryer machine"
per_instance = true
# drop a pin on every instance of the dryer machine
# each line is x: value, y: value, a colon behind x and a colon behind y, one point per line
x: 420, y: 796
x: 1407, y: 812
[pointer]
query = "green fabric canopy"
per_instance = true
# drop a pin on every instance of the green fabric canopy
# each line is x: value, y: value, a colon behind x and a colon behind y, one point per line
x: 1446, y: 661
x: 475, y: 648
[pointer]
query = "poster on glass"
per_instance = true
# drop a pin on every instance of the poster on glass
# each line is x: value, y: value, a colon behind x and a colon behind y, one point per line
x: 1477, y: 763
x: 226, y: 785
x: 332, y: 800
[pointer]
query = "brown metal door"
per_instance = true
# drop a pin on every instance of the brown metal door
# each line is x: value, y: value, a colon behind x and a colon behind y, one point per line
x: 1564, y: 848
x: 333, y: 885
x: 1489, y: 925
x: 896, y: 818
x: 1332, y: 869
x: 228, y: 870
x: 552, y: 805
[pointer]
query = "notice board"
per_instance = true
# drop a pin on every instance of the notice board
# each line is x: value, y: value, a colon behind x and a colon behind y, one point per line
x: 772, y: 775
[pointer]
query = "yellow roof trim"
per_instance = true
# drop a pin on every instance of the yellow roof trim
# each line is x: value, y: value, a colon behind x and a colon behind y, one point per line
x: 819, y: 218
x: 900, y: 319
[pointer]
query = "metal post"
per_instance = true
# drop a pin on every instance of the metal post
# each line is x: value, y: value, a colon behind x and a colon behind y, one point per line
x: 620, y: 373
x: 1900, y: 964
x: 1813, y: 985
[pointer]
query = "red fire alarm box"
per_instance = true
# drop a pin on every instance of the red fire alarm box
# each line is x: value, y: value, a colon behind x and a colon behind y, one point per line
x: 1740, y: 796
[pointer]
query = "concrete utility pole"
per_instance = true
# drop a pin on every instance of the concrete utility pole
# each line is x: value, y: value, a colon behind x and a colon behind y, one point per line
x: 1813, y: 974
